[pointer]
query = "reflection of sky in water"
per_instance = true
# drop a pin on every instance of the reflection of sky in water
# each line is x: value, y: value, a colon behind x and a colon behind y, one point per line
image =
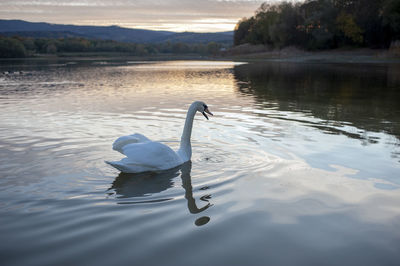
x: 290, y: 147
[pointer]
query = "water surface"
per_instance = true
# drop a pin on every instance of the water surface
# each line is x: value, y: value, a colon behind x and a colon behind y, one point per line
x: 300, y: 164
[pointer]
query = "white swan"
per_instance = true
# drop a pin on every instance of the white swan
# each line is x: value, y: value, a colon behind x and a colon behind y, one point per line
x: 144, y: 155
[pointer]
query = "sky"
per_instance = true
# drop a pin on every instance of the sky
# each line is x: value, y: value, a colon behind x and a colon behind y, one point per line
x: 172, y: 15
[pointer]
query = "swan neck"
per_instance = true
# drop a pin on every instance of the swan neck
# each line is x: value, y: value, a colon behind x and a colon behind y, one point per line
x: 185, y: 149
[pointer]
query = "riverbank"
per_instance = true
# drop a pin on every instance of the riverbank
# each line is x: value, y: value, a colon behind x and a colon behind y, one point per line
x: 292, y: 54
x: 109, y: 56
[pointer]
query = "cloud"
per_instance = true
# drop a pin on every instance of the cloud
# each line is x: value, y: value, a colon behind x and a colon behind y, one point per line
x: 177, y: 15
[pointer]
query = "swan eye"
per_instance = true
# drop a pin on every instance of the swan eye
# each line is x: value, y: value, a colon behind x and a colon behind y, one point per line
x: 205, y: 106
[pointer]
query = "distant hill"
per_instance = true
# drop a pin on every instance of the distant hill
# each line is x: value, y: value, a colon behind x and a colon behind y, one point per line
x: 116, y: 33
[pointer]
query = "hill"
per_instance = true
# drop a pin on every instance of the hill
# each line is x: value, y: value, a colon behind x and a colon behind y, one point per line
x: 115, y: 33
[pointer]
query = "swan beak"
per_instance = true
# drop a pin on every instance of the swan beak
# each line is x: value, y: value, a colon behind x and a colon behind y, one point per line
x: 208, y: 112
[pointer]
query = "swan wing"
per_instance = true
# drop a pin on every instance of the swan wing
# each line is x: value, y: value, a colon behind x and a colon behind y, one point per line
x: 147, y: 156
x: 119, y: 143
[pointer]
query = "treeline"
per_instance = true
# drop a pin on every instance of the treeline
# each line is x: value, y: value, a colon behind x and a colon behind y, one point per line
x: 12, y: 47
x: 322, y: 24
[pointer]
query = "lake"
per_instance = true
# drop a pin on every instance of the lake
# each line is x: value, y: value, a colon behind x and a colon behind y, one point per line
x: 300, y: 164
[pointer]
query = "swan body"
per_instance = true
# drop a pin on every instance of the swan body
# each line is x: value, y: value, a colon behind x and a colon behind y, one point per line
x: 143, y: 154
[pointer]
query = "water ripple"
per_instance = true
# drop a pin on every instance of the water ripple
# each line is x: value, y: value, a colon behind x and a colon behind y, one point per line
x: 274, y: 169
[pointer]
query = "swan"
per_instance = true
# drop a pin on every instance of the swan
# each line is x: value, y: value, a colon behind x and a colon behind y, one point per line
x: 143, y: 154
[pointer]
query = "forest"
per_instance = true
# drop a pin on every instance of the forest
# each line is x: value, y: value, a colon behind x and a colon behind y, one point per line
x: 310, y: 25
x: 322, y: 24
x: 17, y: 46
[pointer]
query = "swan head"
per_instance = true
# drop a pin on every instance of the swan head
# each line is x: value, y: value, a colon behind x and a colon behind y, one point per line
x: 203, y: 108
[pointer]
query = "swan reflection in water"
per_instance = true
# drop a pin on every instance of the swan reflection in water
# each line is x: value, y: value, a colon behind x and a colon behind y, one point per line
x: 142, y: 184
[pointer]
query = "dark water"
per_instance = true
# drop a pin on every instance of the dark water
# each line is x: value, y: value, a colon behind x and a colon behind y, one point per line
x: 300, y: 164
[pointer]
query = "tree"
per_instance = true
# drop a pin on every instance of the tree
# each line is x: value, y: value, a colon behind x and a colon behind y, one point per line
x: 264, y: 29
x: 346, y: 24
x: 322, y: 24
x: 10, y: 47
x: 391, y: 19
x: 213, y: 48
x: 242, y: 31
x: 368, y: 16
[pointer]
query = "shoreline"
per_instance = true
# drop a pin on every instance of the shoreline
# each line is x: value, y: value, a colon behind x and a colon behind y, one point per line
x: 349, y: 56
x: 106, y: 56
x: 286, y: 55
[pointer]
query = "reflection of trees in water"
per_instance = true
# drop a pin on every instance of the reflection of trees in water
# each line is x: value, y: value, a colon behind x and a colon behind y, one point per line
x: 366, y: 96
x: 143, y: 184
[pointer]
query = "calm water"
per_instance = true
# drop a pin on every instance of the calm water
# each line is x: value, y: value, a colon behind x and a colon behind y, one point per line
x: 300, y: 164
